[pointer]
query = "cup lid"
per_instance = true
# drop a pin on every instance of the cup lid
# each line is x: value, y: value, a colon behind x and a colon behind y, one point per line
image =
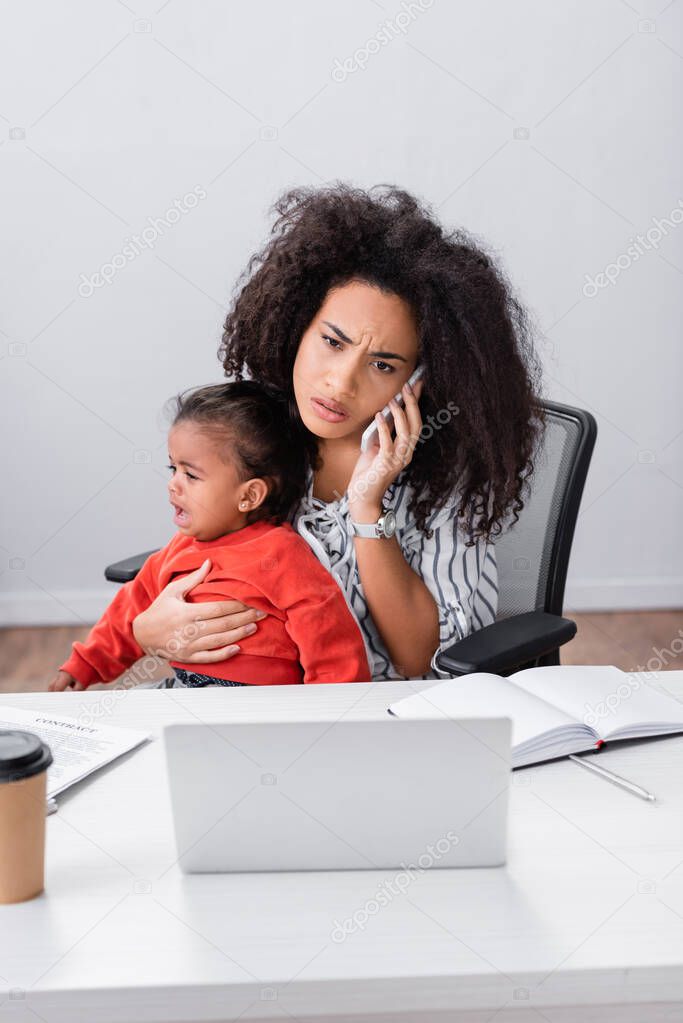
x: 22, y: 754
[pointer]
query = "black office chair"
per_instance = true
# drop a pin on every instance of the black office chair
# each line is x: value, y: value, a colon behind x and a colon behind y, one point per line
x: 532, y: 558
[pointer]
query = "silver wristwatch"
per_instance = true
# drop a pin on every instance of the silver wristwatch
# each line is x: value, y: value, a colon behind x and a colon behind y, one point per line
x: 383, y: 529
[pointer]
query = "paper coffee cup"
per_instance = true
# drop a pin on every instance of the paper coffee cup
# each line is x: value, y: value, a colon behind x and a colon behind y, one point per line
x: 24, y: 761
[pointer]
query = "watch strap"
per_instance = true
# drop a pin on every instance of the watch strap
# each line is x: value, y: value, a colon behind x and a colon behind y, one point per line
x: 367, y: 530
x: 376, y: 530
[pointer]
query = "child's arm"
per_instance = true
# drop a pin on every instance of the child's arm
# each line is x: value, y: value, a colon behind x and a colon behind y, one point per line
x: 319, y: 621
x: 110, y: 647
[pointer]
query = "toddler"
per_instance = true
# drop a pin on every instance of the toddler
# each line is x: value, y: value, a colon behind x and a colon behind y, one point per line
x: 238, y: 468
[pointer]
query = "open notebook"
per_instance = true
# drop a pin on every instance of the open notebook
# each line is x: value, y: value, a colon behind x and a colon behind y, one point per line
x: 555, y: 710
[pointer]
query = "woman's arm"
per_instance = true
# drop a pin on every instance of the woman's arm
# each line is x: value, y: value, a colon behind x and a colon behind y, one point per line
x: 193, y: 633
x: 402, y: 607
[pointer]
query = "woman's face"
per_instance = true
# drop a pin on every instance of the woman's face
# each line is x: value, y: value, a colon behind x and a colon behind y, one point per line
x: 356, y: 354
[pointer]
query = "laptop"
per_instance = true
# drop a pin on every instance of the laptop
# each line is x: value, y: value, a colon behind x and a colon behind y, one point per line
x: 345, y: 795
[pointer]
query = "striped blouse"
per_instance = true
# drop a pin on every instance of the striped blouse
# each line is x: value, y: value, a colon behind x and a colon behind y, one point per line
x: 463, y: 580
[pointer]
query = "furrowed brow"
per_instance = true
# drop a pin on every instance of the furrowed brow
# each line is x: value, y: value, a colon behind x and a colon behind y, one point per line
x: 343, y: 337
x: 189, y: 465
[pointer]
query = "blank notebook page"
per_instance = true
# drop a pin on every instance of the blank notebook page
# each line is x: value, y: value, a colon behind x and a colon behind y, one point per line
x: 485, y: 695
x: 630, y: 705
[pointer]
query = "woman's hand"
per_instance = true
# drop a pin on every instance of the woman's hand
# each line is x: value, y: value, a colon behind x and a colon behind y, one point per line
x: 193, y: 633
x: 384, y: 460
x: 61, y: 681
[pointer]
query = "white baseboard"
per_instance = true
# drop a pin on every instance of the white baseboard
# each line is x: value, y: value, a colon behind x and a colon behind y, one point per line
x: 84, y: 607
x: 61, y: 607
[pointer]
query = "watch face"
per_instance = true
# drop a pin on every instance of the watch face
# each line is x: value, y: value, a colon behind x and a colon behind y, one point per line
x: 389, y: 523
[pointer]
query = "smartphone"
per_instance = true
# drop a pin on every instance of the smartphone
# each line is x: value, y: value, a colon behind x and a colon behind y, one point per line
x: 372, y: 433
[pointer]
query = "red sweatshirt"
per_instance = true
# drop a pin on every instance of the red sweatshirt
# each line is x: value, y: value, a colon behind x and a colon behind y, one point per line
x: 310, y: 635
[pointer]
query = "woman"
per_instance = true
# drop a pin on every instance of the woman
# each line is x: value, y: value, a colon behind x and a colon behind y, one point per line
x: 353, y: 290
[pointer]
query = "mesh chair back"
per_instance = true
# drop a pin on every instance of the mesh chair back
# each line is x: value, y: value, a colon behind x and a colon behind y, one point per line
x: 533, y: 555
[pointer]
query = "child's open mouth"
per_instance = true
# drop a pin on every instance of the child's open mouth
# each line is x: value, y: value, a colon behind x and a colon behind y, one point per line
x: 180, y: 518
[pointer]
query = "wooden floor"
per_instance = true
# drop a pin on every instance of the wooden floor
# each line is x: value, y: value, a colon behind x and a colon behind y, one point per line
x: 633, y: 641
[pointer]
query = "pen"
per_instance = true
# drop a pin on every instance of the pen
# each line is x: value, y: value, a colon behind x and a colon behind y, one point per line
x: 616, y: 779
x: 50, y: 806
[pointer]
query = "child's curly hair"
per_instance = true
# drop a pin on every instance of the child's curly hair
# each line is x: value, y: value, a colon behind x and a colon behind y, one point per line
x: 475, y: 338
x: 253, y: 426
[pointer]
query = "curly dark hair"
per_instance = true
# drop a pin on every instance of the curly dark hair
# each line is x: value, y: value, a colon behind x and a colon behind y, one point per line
x: 475, y: 337
x: 253, y: 426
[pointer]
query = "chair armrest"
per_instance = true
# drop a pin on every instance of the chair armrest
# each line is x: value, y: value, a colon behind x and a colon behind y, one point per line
x: 124, y: 571
x: 507, y: 643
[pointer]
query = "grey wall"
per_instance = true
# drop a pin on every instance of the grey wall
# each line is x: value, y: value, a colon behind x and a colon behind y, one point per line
x: 550, y: 130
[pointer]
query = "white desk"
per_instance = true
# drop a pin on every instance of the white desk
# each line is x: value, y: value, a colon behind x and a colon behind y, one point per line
x: 588, y: 911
